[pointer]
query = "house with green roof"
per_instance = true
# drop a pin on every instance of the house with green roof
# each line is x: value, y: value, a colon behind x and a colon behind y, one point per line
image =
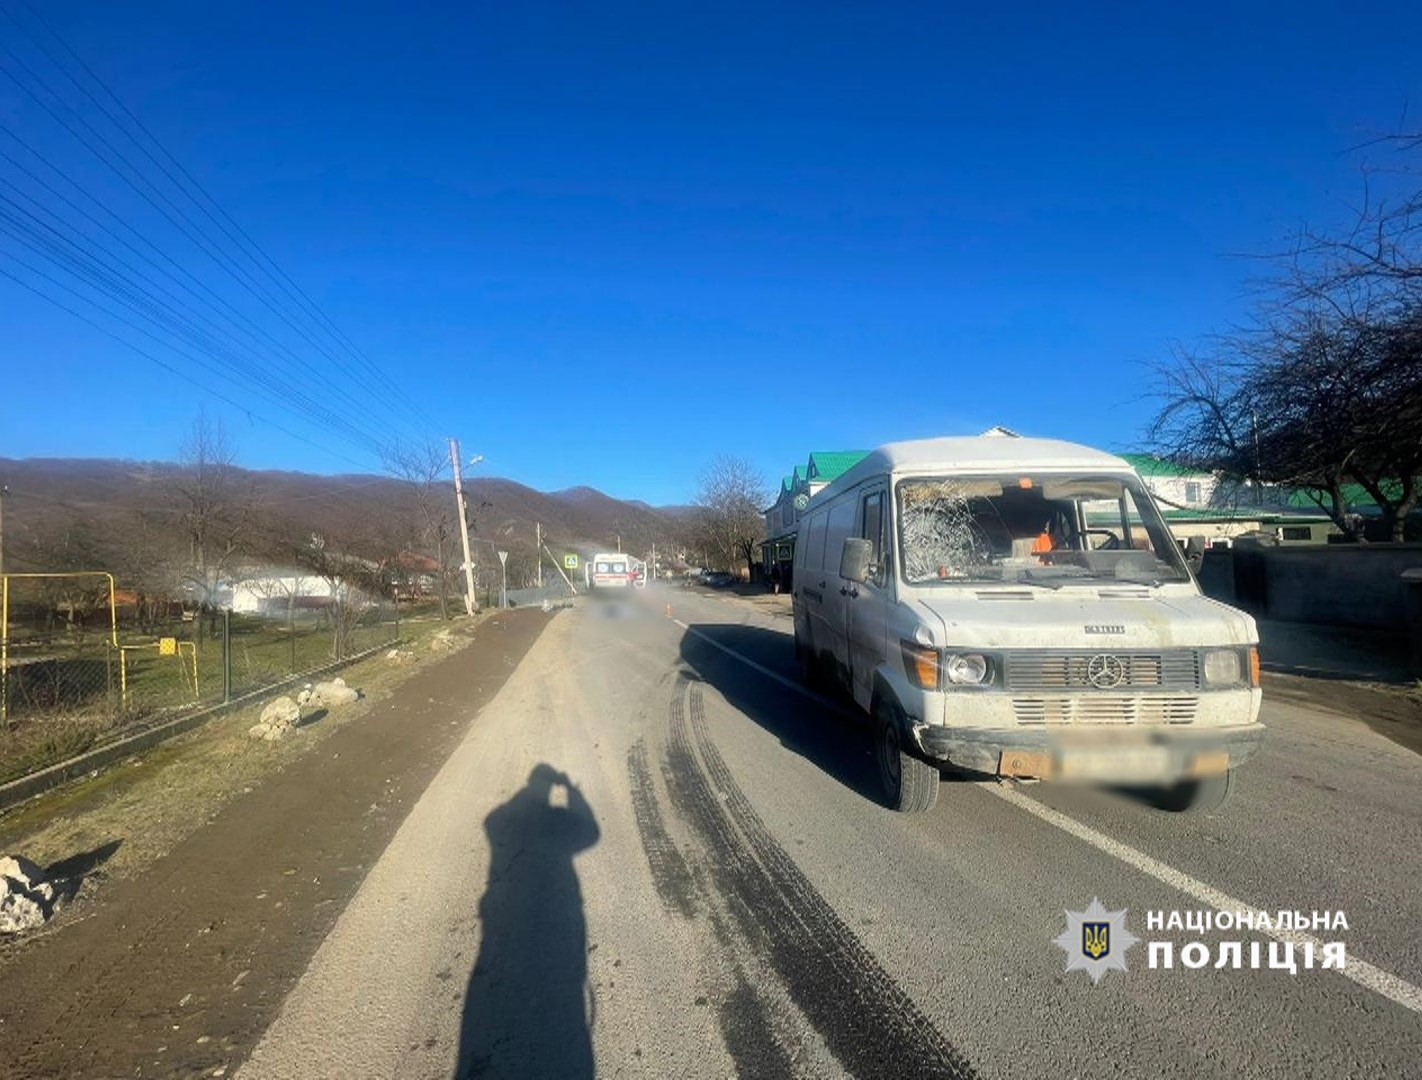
x: 1196, y: 502
x: 796, y: 490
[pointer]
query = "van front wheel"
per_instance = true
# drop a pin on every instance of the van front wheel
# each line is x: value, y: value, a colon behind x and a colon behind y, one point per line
x: 909, y: 784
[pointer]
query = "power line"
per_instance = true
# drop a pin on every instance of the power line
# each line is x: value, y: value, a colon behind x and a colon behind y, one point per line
x: 223, y: 308
x: 187, y: 226
x: 260, y: 257
x: 115, y: 285
x: 243, y: 409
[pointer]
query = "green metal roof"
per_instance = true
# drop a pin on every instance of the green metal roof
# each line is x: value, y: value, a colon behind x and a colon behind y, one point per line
x: 827, y: 464
x: 787, y: 483
x: 1273, y: 516
x: 1150, y: 465
x: 1354, y: 496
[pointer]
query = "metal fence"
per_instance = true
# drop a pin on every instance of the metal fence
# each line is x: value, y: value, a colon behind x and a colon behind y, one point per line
x: 82, y: 662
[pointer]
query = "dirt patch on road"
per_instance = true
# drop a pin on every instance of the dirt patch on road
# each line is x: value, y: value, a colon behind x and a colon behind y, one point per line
x: 1393, y: 712
x: 178, y: 969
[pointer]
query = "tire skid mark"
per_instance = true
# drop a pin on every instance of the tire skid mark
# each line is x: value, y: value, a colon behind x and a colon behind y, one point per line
x: 750, y: 1035
x: 748, y: 1022
x: 670, y: 874
x: 866, y: 1020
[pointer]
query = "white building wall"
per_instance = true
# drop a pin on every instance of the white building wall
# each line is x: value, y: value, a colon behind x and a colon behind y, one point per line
x: 255, y: 594
x: 1192, y: 492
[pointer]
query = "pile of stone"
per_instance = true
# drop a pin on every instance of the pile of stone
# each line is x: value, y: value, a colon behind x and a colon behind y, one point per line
x: 443, y: 640
x: 327, y: 695
x: 26, y: 898
x: 277, y: 720
x: 399, y: 656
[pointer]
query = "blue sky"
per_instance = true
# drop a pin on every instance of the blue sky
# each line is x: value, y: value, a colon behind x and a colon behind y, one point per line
x: 601, y: 244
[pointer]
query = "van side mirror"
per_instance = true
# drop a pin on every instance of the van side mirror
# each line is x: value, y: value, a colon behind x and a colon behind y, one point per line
x: 856, y: 560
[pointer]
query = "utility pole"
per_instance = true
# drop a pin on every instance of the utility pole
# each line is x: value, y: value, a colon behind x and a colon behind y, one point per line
x: 652, y: 569
x: 4, y: 490
x: 538, y: 550
x: 469, y: 600
x: 1258, y: 465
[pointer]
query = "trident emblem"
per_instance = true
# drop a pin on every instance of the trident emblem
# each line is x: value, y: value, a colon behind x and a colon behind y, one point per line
x: 1096, y: 939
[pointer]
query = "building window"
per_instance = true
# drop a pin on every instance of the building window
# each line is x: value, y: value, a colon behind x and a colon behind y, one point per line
x: 1192, y: 492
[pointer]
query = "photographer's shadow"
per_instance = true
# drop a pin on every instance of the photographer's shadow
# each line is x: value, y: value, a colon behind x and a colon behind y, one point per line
x: 528, y: 1008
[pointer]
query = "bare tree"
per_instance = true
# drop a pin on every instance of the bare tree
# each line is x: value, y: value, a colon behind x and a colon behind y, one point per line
x: 1383, y: 245
x: 1325, y: 390
x: 149, y: 558
x: 353, y: 582
x: 732, y: 499
x: 424, y: 467
x: 215, y: 506
x: 68, y: 545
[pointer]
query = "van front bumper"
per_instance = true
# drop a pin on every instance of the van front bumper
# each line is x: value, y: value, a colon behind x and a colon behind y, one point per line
x: 1159, y: 754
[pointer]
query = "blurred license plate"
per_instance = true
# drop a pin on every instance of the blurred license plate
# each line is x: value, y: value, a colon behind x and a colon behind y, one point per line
x: 1116, y: 763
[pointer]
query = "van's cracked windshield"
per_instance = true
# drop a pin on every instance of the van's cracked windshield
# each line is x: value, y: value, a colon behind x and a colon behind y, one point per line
x: 568, y: 541
x: 1052, y: 530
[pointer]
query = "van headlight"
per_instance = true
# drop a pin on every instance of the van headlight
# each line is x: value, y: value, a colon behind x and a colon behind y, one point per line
x: 966, y: 669
x: 1223, y: 668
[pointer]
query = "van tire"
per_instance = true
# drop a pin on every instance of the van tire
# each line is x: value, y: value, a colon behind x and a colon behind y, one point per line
x: 908, y: 784
x: 1203, y: 796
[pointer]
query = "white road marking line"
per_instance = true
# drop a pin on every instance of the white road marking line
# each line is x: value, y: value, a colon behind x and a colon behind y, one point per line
x: 1370, y: 977
x: 1360, y: 971
x: 781, y: 679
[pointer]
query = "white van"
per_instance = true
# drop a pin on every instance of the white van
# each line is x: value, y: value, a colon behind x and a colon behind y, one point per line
x: 1018, y: 607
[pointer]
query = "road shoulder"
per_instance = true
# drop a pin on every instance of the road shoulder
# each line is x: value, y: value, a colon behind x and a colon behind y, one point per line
x: 179, y: 969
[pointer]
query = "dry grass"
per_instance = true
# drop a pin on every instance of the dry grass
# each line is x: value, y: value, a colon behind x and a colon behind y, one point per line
x: 71, y: 700
x: 151, y: 802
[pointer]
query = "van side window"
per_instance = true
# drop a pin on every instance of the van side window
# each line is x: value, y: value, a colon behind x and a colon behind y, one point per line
x: 815, y: 543
x: 842, y: 525
x: 872, y: 529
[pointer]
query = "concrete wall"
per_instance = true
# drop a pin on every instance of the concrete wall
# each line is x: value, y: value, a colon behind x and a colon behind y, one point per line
x: 1335, y: 585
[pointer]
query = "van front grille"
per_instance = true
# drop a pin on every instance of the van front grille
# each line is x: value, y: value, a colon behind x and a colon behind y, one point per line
x: 1045, y: 669
x: 1104, y: 709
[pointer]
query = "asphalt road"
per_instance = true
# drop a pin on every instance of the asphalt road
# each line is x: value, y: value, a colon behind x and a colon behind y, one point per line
x: 653, y: 855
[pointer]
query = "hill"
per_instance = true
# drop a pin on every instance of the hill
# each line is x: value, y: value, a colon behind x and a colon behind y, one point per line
x: 63, y: 512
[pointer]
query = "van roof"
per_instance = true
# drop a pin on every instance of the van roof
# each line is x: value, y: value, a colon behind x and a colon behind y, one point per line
x: 973, y: 453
